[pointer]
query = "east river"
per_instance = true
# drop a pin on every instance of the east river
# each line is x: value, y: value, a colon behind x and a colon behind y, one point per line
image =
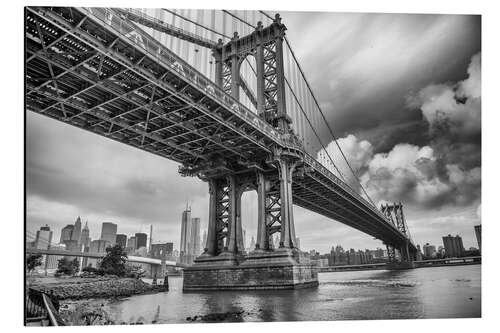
x: 435, y: 292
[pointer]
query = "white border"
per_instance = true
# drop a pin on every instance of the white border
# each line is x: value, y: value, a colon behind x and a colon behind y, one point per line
x: 12, y: 140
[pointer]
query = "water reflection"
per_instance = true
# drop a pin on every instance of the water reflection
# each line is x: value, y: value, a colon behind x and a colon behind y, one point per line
x: 439, y: 292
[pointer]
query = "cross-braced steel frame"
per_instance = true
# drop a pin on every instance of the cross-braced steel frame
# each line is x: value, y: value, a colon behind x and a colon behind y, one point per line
x: 97, y: 71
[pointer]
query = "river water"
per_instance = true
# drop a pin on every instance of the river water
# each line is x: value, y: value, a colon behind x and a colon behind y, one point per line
x: 435, y: 292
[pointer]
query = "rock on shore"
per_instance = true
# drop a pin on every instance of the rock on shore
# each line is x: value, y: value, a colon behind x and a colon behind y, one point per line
x: 101, y: 287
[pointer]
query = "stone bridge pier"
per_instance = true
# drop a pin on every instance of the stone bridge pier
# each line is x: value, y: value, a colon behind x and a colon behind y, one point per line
x: 224, y: 263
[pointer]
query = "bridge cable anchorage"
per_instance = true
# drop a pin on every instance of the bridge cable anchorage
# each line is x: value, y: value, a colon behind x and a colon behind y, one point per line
x: 323, y: 116
x: 296, y: 98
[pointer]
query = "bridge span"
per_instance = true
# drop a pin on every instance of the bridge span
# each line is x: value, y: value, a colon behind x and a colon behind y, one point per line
x: 98, y: 70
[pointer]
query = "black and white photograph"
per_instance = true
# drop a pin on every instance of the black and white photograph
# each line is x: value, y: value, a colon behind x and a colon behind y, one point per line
x: 195, y: 166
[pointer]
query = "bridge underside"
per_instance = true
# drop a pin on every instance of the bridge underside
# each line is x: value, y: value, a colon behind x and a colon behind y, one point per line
x: 95, y: 70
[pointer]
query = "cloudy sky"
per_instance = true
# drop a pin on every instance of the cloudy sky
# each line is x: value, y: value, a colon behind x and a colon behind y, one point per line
x: 402, y: 92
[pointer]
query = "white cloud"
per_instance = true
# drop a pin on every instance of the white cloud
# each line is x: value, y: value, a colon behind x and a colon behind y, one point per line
x: 454, y: 107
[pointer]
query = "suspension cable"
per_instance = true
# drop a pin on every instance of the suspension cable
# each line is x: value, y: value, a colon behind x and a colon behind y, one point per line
x: 323, y: 116
x: 296, y: 99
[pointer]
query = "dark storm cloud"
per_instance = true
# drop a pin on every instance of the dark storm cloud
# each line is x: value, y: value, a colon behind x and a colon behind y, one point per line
x: 436, y: 174
x: 371, y: 62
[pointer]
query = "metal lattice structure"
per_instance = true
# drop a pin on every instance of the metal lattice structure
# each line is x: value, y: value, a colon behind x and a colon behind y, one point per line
x: 97, y: 69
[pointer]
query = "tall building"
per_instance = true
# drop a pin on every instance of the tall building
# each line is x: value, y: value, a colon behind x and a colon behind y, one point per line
x: 97, y: 246
x: 141, y: 240
x: 453, y: 246
x: 477, y: 229
x: 43, y: 238
x: 131, y: 244
x: 297, y: 242
x: 195, y: 247
x: 108, y: 232
x: 77, y: 230
x: 252, y: 244
x: 185, y: 235
x: 85, y: 236
x: 66, y: 233
x: 429, y: 250
x: 121, y: 240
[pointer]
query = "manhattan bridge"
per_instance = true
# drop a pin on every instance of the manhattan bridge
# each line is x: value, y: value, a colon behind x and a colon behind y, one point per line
x: 221, y: 93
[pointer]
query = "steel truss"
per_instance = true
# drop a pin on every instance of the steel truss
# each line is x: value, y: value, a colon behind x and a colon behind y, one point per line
x: 97, y: 71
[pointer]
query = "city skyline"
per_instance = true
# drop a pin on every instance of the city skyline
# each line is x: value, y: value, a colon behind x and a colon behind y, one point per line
x: 439, y: 190
x: 422, y: 246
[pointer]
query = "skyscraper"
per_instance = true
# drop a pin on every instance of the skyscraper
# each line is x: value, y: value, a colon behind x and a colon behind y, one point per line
x: 252, y: 244
x: 194, y: 248
x: 108, y: 232
x: 77, y: 230
x: 185, y: 234
x: 121, y: 240
x: 297, y: 242
x: 131, y: 244
x: 43, y: 238
x: 453, y: 246
x: 477, y: 229
x: 85, y: 236
x: 66, y: 233
x: 141, y: 240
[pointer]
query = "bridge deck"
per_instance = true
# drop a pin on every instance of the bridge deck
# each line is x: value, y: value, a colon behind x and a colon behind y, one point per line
x: 95, y: 70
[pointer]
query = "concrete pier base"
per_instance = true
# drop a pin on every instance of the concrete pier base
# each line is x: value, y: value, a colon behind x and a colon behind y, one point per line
x: 401, y: 265
x: 278, y: 269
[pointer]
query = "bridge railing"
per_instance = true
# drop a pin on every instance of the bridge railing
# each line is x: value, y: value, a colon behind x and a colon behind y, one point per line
x: 168, y: 58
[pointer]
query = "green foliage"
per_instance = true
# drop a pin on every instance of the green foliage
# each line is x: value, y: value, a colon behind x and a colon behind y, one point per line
x: 67, y: 267
x: 33, y: 261
x: 114, y: 261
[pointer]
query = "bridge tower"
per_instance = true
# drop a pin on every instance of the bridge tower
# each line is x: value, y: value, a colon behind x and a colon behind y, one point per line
x: 395, y: 214
x: 271, y: 176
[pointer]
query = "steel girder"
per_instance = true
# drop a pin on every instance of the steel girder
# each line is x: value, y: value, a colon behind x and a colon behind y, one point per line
x: 81, y: 70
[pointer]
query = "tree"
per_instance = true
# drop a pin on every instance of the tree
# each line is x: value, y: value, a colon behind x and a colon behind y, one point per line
x: 67, y: 267
x: 33, y: 261
x: 114, y: 261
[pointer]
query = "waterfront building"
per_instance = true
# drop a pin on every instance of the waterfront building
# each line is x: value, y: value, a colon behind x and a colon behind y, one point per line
x: 43, y: 238
x: 141, y: 240
x: 121, y: 239
x: 77, y: 230
x: 108, y: 232
x: 429, y: 251
x: 85, y: 236
x: 66, y: 233
x: 477, y: 230
x: 453, y: 246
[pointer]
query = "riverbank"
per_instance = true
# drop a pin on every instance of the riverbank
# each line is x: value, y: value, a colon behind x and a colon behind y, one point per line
x: 98, y: 287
